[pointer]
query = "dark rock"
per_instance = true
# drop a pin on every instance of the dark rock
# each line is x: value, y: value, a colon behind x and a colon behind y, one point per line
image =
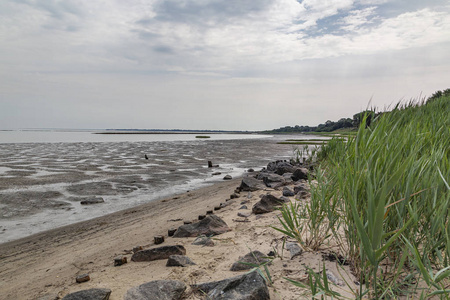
x: 158, y: 253
x: 284, y: 167
x: 137, y: 248
x: 187, y: 222
x: 254, y: 257
x: 91, y: 294
x: 227, y: 177
x: 157, y: 290
x: 273, y: 180
x: 250, y: 184
x: 209, y: 212
x: 179, y: 261
x: 234, y: 196
x: 250, y: 286
x: 203, y: 241
x: 211, y: 225
x: 302, y: 195
x: 201, y: 217
x: 287, y: 192
x: 158, y: 239
x: 171, y: 231
x: 83, y: 278
x: 250, y: 170
x: 243, y: 207
x: 300, y: 173
x: 271, y: 254
x: 120, y: 260
x: 294, y: 249
x: 93, y: 200
x: 216, y: 173
x: 267, y: 204
x: 217, y: 207
x: 301, y: 187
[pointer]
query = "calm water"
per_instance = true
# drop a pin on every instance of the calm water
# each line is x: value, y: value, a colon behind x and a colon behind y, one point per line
x: 45, y: 175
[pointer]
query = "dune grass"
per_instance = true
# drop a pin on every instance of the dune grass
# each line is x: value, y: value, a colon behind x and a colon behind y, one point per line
x: 384, y: 195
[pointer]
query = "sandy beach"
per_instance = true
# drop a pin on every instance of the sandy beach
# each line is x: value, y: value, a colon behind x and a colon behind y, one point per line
x: 45, y: 265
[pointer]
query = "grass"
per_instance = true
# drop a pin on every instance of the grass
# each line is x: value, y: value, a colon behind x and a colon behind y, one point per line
x: 387, y: 189
x: 202, y: 137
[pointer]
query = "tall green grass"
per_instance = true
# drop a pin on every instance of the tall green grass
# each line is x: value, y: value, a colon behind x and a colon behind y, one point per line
x: 389, y: 189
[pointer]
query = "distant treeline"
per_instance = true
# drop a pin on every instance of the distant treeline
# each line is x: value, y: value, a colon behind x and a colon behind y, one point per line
x: 342, y: 123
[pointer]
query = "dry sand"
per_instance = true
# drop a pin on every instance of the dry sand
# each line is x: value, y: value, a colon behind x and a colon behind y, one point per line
x: 44, y: 266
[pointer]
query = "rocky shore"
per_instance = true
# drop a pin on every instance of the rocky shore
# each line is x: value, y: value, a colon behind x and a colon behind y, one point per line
x: 212, y: 243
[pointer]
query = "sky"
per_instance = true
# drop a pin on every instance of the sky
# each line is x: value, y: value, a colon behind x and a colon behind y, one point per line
x: 215, y: 64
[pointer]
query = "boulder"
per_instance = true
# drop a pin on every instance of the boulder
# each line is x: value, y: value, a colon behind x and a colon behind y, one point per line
x: 273, y: 180
x: 250, y: 184
x: 250, y: 286
x: 267, y: 204
x: 92, y: 200
x: 179, y: 261
x: 91, y: 294
x: 211, y: 225
x: 284, y: 167
x: 300, y: 173
x: 303, y: 186
x: 158, y: 253
x: 287, y: 192
x: 254, y: 257
x: 227, y: 177
x: 157, y: 290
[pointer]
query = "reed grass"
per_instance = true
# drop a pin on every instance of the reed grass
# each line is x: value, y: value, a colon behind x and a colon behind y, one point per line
x: 388, y: 188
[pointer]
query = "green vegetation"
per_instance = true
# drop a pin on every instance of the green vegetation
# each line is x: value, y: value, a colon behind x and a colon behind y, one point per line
x: 383, y: 197
x: 202, y: 137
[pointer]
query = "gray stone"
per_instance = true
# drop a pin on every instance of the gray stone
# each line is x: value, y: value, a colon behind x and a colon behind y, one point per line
x: 203, y: 241
x: 273, y: 180
x: 303, y: 186
x: 244, y: 215
x: 91, y: 294
x: 250, y: 286
x: 250, y: 184
x: 284, y: 167
x: 294, y: 249
x: 211, y: 225
x: 254, y: 257
x: 243, y: 207
x: 300, y: 173
x: 158, y: 253
x: 267, y: 204
x: 227, y: 177
x: 83, y: 278
x: 157, y: 290
x: 179, y: 261
x: 120, y: 260
x: 287, y: 192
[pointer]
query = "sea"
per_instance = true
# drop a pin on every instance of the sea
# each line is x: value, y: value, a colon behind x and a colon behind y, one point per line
x: 46, y: 174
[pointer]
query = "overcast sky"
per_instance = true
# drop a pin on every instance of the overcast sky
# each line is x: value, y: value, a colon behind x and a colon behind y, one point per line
x: 215, y: 64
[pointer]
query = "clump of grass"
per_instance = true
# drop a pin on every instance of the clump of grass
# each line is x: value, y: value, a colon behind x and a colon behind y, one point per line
x: 202, y: 137
x: 388, y: 187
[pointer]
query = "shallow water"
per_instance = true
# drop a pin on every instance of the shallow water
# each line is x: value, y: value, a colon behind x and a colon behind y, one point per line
x: 42, y: 184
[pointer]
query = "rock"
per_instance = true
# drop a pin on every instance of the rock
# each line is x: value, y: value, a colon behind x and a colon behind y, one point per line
x: 216, y: 173
x: 137, y: 248
x: 158, y: 239
x: 210, y: 165
x: 254, y: 257
x: 294, y: 249
x: 211, y: 225
x: 250, y: 170
x: 243, y: 207
x: 250, y: 184
x: 171, y: 231
x: 249, y: 195
x: 201, y: 217
x: 302, y: 195
x: 284, y: 167
x: 303, y: 186
x: 217, y: 207
x: 234, y: 196
x: 273, y: 180
x: 244, y: 215
x: 157, y: 290
x: 250, y: 286
x: 83, y: 278
x: 287, y: 192
x: 267, y: 204
x: 93, y: 200
x: 187, y: 222
x: 227, y: 177
x: 91, y: 294
x: 203, y: 241
x: 284, y: 199
x: 158, y: 253
x: 331, y: 277
x: 299, y: 173
x: 209, y: 212
x: 179, y: 261
x: 120, y: 260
